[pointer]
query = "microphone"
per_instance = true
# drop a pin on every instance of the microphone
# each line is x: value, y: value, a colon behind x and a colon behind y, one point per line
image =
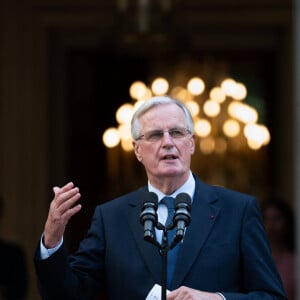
x: 148, y: 216
x: 182, y: 216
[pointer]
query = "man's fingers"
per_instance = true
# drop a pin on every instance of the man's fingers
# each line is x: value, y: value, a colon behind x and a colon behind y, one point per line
x: 72, y: 211
x: 63, y: 206
x: 57, y: 190
x: 68, y: 202
x: 64, y: 194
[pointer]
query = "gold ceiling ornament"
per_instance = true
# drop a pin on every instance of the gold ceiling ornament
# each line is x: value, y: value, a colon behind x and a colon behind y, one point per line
x: 223, y: 120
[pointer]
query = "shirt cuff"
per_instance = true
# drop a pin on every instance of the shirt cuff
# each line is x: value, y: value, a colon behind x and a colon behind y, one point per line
x: 220, y: 294
x: 46, y: 253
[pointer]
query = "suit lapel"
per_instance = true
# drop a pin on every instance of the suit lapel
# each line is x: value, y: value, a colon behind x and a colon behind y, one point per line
x: 203, y: 215
x: 148, y: 251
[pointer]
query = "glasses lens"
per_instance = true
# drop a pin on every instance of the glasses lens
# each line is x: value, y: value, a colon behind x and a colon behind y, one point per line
x: 154, y: 135
x: 178, y: 133
x: 175, y: 133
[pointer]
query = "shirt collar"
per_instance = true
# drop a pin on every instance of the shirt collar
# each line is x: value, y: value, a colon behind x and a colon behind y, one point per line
x: 188, y: 187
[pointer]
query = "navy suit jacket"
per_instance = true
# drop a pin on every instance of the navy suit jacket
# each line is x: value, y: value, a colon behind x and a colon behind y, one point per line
x: 225, y: 249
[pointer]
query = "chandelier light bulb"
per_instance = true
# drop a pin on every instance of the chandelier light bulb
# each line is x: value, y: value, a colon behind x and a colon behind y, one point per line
x: 211, y: 108
x: 239, y: 92
x: 111, y: 137
x: 137, y: 90
x: 160, y: 86
x: 258, y: 133
x: 196, y: 86
x: 228, y: 86
x: 217, y: 94
x: 231, y: 128
x: 124, y: 113
x: 242, y: 112
x: 202, y: 127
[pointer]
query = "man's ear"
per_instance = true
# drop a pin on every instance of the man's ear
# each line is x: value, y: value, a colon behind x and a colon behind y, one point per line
x: 136, y: 148
x: 192, y: 145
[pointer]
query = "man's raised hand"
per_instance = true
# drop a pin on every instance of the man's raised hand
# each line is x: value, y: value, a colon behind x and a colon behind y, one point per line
x: 63, y: 206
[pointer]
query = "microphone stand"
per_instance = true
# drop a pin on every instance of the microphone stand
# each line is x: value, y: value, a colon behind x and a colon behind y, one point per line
x: 164, y: 247
x: 164, y: 255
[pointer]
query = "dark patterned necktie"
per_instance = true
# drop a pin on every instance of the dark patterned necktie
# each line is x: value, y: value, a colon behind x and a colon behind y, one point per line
x: 172, y: 253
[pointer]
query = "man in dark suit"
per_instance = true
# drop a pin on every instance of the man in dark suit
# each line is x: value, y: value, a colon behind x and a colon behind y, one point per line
x: 224, y: 253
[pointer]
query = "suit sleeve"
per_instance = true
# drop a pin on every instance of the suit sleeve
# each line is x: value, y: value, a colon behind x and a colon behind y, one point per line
x: 261, y: 279
x: 72, y: 277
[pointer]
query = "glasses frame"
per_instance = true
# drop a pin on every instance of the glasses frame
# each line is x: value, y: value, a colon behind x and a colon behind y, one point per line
x: 157, y: 135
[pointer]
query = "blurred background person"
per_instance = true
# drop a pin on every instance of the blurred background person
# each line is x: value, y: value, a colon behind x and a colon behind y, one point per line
x: 279, y: 222
x: 13, y: 270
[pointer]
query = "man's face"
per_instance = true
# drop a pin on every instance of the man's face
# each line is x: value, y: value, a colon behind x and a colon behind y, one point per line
x: 166, y: 156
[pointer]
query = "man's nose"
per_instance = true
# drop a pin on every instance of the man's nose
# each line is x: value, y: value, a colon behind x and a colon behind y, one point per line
x: 167, y: 138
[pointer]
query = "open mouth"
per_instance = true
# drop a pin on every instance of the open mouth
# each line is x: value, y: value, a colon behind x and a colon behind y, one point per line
x: 170, y: 157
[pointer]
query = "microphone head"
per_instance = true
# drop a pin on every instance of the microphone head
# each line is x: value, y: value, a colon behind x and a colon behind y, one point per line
x: 185, y: 199
x: 182, y: 216
x: 150, y: 198
x: 149, y: 207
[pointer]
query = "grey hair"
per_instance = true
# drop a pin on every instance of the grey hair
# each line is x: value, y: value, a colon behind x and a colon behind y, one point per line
x: 155, y: 101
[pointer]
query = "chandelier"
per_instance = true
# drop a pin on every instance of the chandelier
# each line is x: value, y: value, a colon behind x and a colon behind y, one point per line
x: 223, y: 120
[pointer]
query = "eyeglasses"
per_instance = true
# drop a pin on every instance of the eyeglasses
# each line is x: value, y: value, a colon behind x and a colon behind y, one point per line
x: 156, y: 135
